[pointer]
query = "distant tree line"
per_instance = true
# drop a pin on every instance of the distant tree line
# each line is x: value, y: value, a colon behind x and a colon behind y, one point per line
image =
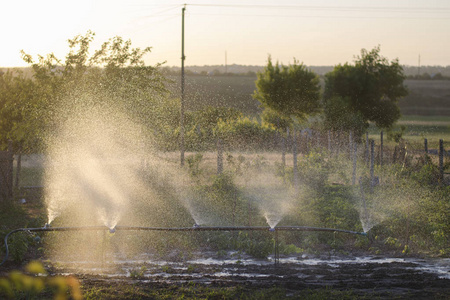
x: 409, y: 71
x: 426, y: 76
x: 215, y: 72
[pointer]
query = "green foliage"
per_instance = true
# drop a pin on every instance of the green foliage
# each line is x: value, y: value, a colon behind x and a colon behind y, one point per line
x: 29, y: 285
x: 138, y: 273
x: 114, y: 76
x: 339, y: 115
x: 193, y: 163
x: 370, y: 89
x: 19, y: 119
x: 427, y: 175
x: 202, y: 126
x: 334, y: 208
x: 288, y: 90
x: 396, y: 136
x: 256, y: 245
x: 313, y: 170
x: 275, y: 119
x: 246, y: 134
x: 19, y: 246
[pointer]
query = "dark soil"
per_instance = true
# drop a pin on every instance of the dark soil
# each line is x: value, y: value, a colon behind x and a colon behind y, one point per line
x: 341, y: 279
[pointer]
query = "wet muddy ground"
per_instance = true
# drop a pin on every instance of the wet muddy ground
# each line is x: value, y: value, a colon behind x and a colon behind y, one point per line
x: 383, y: 278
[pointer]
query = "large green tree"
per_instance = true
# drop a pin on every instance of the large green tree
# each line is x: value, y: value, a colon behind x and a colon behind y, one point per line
x: 367, y: 91
x: 287, y: 91
x: 113, y: 76
x: 18, y: 118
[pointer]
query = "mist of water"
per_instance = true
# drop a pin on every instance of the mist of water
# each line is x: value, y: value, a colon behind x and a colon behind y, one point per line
x: 270, y: 194
x: 93, y: 163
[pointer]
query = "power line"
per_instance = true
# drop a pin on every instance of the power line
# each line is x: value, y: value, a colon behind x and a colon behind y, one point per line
x: 326, y: 17
x: 335, y: 8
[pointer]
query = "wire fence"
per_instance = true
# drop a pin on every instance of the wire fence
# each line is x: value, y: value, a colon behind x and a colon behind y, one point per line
x: 373, y: 152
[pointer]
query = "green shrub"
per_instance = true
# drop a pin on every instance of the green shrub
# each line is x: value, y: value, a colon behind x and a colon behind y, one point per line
x: 28, y: 285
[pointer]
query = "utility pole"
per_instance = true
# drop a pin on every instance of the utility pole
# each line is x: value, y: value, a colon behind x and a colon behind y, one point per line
x: 418, y: 69
x: 226, y: 65
x: 182, y: 89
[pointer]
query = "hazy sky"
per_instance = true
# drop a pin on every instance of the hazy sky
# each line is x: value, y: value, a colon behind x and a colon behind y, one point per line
x: 321, y: 32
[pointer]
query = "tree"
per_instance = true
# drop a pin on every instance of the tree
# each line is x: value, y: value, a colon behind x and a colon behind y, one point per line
x: 369, y: 89
x: 114, y: 76
x: 19, y: 121
x: 291, y: 91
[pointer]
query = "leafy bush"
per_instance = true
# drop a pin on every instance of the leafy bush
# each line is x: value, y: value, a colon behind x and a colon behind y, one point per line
x: 428, y: 175
x: 18, y: 285
x: 246, y: 135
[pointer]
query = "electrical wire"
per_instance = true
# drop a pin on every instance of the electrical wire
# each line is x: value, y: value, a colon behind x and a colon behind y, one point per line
x: 324, y: 17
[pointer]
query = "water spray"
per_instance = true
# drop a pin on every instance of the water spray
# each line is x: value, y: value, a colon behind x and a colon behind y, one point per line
x: 195, y: 227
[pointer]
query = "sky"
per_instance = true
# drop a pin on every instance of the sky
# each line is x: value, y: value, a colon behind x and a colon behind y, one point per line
x: 317, y: 33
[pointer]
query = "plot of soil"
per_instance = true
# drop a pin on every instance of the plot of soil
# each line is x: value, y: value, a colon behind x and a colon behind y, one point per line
x: 384, y: 278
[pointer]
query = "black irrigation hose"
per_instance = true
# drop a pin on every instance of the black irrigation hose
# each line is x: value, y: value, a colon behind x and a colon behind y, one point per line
x: 194, y: 228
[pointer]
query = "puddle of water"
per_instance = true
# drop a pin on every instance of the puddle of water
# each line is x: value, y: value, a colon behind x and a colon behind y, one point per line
x: 245, y: 267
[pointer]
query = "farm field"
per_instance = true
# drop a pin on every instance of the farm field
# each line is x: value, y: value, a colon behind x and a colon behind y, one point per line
x: 426, y: 97
x: 418, y: 128
x: 425, y: 111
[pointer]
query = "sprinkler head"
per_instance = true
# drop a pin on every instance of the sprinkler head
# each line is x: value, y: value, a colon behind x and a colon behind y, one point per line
x: 363, y: 233
x: 112, y: 230
x: 272, y: 229
x: 47, y: 225
x: 196, y: 225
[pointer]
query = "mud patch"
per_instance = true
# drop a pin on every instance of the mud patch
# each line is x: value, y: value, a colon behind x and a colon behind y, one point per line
x: 385, y: 278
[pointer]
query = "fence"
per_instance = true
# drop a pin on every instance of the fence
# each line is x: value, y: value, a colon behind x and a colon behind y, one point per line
x: 336, y: 143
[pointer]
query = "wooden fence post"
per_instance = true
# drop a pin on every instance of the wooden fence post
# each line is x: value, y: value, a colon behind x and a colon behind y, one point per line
x: 18, y: 167
x: 294, y: 154
x: 441, y: 161
x: 366, y: 153
x: 381, y: 149
x: 354, y: 164
x: 283, y: 152
x: 372, y: 155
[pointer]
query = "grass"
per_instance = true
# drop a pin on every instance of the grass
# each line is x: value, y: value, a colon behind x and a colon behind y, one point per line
x: 31, y: 176
x: 103, y: 290
x: 433, y: 128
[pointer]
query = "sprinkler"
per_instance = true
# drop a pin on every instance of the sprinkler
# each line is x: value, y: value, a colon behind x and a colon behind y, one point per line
x: 47, y: 225
x: 195, y: 227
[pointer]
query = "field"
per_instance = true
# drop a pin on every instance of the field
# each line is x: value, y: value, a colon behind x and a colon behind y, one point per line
x: 426, y: 97
x: 425, y: 111
x: 418, y: 128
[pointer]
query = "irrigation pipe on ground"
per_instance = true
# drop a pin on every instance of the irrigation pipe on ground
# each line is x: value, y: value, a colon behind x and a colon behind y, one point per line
x: 194, y: 228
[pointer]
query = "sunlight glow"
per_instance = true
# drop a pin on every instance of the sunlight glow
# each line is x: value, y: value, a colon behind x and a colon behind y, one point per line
x: 314, y: 32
